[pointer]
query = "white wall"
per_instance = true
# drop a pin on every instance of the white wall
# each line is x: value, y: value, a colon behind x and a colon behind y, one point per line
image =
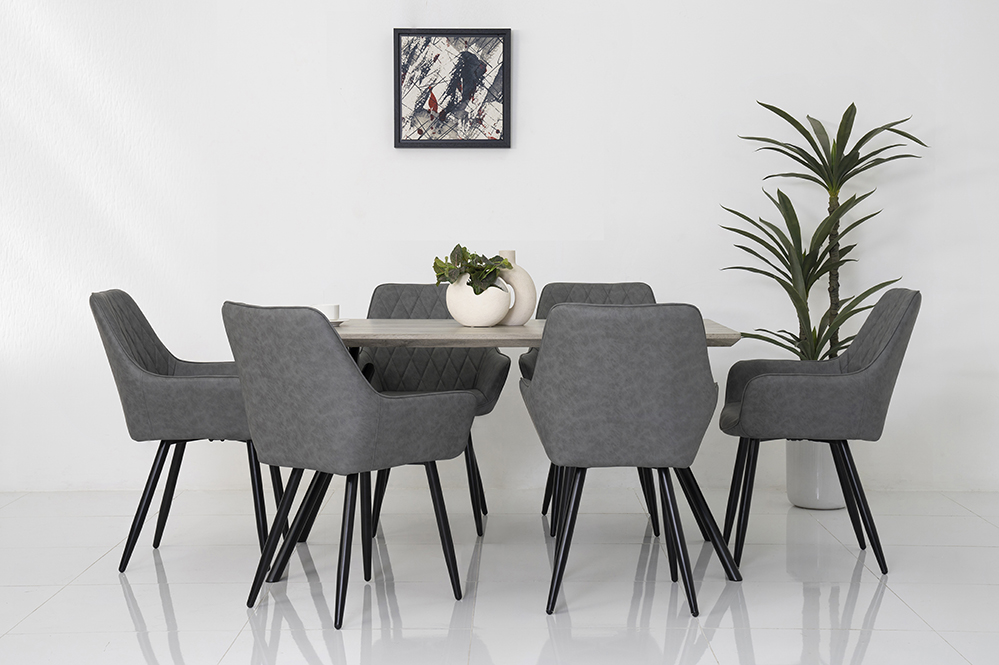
x: 193, y: 152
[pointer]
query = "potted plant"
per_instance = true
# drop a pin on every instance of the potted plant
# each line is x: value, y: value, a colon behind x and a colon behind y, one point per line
x: 477, y: 296
x: 811, y: 477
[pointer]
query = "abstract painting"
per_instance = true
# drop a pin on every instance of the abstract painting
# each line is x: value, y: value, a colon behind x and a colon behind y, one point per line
x: 452, y: 88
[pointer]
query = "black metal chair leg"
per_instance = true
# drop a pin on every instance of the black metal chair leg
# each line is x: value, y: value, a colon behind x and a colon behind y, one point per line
x: 565, y: 537
x: 556, y: 500
x: 277, y: 484
x: 700, y: 507
x: 649, y: 488
x: 297, y: 526
x: 473, y: 491
x: 381, y: 482
x: 674, y: 531
x: 862, y: 505
x: 168, y: 490
x: 848, y: 495
x: 287, y: 497
x: 733, y: 492
x: 549, y: 488
x: 752, y: 452
x: 144, y: 501
x: 447, y: 544
x: 346, y: 536
x: 687, y: 492
x: 366, y: 523
x: 478, y: 477
x: 317, y: 505
x: 257, y: 487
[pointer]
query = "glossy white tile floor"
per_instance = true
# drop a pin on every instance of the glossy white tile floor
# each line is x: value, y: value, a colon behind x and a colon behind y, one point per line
x: 809, y: 595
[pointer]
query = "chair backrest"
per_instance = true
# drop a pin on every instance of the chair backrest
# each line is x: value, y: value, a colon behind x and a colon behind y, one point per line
x: 420, y: 369
x: 308, y: 405
x: 622, y: 385
x: 128, y: 338
x: 625, y: 293
x: 135, y: 354
x: 876, y: 355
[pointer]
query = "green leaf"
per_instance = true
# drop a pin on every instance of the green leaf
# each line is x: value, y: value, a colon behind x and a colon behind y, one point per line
x: 797, y: 126
x: 845, y: 128
x: 822, y: 136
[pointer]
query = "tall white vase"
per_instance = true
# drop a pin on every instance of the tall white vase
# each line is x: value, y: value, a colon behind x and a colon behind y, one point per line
x: 477, y: 311
x: 525, y: 294
x: 812, y: 481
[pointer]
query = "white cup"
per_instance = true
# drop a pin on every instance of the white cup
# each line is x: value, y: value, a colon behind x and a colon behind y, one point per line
x: 332, y: 312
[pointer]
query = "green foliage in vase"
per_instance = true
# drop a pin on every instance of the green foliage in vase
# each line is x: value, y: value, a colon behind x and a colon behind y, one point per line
x: 797, y: 267
x: 830, y: 164
x: 482, y: 271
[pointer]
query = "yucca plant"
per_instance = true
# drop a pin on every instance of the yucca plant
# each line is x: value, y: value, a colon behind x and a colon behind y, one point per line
x: 797, y: 267
x: 830, y: 164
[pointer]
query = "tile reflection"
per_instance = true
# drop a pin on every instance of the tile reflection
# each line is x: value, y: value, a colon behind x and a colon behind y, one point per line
x: 169, y: 615
x: 382, y: 630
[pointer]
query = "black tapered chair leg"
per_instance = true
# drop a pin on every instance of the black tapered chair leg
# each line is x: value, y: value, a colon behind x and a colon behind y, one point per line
x: 733, y: 492
x: 575, y: 492
x: 549, y: 488
x: 700, y: 507
x: 687, y: 492
x: 671, y: 524
x: 670, y: 545
x: 278, y: 486
x: 381, y: 482
x: 752, y: 452
x: 473, y: 491
x: 297, y: 526
x: 556, y: 500
x: 281, y: 517
x: 649, y: 487
x: 144, y: 501
x: 366, y: 523
x: 864, y: 508
x: 848, y: 496
x: 443, y: 527
x: 346, y: 536
x: 478, y: 477
x: 317, y: 505
x: 168, y: 491
x: 257, y: 488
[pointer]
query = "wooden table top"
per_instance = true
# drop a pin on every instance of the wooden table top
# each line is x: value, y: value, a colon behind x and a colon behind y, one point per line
x: 450, y: 333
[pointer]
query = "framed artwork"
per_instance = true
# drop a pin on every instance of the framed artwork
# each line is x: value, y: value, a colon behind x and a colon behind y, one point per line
x: 452, y: 88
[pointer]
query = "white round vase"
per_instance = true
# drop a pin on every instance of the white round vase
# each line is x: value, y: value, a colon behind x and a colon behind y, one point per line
x: 525, y: 294
x: 477, y: 311
x: 812, y: 481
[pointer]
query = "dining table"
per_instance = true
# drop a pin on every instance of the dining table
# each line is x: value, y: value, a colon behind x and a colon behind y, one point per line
x: 449, y: 333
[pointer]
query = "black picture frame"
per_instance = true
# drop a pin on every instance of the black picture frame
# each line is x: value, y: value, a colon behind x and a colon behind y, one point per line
x: 435, y: 61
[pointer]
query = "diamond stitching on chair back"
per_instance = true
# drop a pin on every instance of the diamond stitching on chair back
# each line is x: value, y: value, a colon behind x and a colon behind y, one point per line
x: 878, y: 329
x: 418, y: 370
x: 117, y: 315
x: 627, y: 293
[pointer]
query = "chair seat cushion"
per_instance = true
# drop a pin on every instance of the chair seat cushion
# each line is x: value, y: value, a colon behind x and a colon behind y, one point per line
x: 480, y: 398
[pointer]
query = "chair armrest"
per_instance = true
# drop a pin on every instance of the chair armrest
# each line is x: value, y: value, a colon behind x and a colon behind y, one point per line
x: 745, y: 370
x: 188, y: 368
x: 192, y: 407
x: 812, y: 406
x: 490, y: 378
x: 528, y: 361
x: 422, y: 427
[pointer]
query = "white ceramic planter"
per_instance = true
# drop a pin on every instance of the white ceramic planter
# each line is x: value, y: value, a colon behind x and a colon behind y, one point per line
x: 477, y: 311
x: 525, y: 294
x: 812, y: 481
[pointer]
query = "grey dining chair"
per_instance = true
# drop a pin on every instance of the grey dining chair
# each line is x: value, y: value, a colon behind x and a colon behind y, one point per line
x: 405, y: 370
x: 625, y: 385
x: 309, y: 407
x: 594, y: 293
x: 833, y: 401
x: 171, y: 400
